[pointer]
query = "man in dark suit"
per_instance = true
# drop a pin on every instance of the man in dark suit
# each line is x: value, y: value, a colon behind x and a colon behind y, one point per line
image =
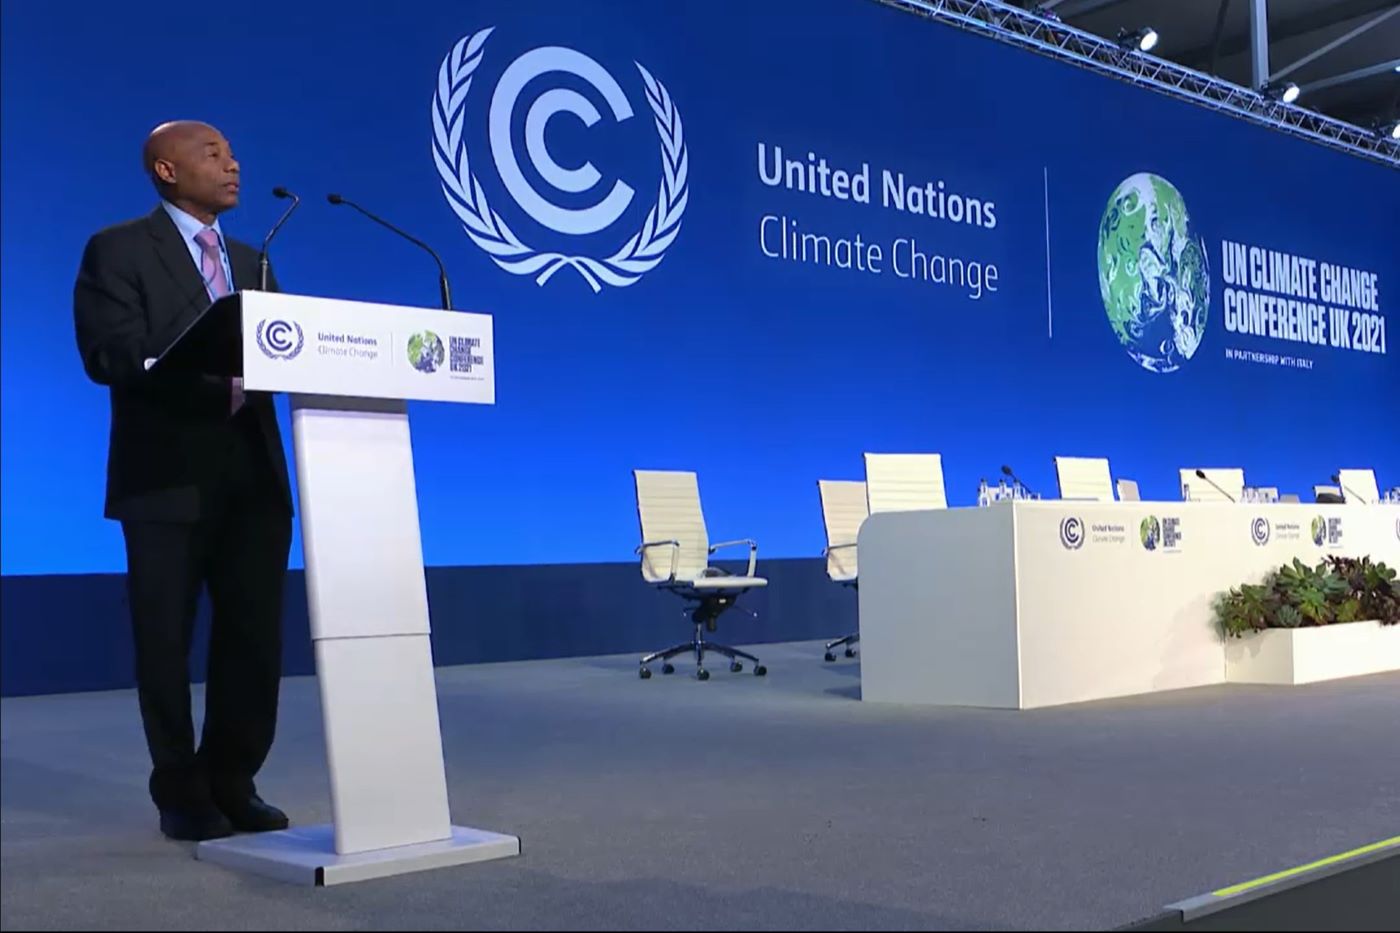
x: 198, y: 480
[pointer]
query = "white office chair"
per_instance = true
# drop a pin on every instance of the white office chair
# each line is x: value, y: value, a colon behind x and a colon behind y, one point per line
x: 1359, y: 486
x: 1328, y: 494
x: 1128, y: 491
x: 844, y: 508
x: 904, y: 482
x: 1231, y: 480
x: 1084, y: 478
x: 675, y: 552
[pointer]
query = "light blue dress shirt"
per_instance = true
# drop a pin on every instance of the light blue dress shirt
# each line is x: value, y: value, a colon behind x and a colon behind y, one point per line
x: 189, y: 228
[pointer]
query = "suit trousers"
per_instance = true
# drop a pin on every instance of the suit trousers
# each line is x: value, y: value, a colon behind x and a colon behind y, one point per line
x: 237, y: 549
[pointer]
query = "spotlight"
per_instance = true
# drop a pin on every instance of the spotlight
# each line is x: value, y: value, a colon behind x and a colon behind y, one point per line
x: 1285, y: 91
x: 1144, y: 39
x: 1395, y: 130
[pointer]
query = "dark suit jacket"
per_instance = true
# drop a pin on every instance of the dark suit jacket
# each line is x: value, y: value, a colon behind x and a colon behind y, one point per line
x: 137, y: 290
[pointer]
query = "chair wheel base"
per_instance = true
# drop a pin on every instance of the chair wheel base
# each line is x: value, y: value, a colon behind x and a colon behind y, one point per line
x: 736, y: 668
x: 702, y: 674
x: 850, y: 653
x: 668, y: 669
x: 830, y: 657
x: 760, y: 671
x: 644, y: 673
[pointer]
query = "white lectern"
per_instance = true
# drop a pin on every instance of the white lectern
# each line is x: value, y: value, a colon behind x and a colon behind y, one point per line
x: 350, y: 368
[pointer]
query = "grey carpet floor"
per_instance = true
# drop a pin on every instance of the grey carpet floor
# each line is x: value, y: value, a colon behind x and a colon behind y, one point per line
x: 743, y: 803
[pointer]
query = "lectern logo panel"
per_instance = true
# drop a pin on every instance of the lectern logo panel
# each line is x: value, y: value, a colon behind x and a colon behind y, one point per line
x: 556, y: 209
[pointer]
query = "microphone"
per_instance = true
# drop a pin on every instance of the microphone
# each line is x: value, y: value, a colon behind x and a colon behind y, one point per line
x: 1218, y: 488
x: 278, y: 192
x: 442, y: 270
x: 1337, y: 478
x: 1016, y: 479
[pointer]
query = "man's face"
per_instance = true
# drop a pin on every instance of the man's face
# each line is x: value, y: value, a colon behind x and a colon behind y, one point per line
x: 199, y: 168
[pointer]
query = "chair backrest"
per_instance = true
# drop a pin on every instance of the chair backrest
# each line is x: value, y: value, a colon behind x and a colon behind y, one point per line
x: 1361, y: 482
x: 1128, y: 490
x: 1333, y: 494
x: 904, y: 482
x: 1288, y: 497
x: 844, y: 507
x: 1230, y: 479
x: 1084, y: 478
x: 668, y: 505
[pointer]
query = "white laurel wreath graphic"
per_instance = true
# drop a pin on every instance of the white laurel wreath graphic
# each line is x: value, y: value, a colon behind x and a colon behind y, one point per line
x: 489, y: 231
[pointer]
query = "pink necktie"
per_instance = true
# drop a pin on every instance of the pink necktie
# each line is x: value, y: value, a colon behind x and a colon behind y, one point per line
x: 211, y: 263
x: 211, y: 266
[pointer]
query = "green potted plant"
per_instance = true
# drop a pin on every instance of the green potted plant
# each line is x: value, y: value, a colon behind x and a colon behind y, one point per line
x: 1305, y: 623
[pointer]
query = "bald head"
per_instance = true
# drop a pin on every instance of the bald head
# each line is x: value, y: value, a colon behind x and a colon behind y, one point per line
x: 192, y: 166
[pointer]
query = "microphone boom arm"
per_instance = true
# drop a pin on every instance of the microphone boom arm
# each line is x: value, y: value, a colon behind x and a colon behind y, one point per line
x: 262, y: 254
x: 443, y: 288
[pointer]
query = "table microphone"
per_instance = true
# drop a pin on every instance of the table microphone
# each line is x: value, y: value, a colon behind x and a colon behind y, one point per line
x: 278, y: 192
x: 1337, y: 478
x: 1016, y: 479
x: 1218, y: 488
x: 442, y: 270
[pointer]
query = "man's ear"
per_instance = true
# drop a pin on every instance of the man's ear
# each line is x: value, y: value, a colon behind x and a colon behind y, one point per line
x: 164, y: 171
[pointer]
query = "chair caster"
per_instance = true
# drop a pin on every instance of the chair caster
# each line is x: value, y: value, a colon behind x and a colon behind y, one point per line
x: 645, y: 673
x: 702, y: 674
x: 830, y: 657
x: 668, y: 669
x: 760, y: 671
x: 736, y: 668
x: 850, y: 652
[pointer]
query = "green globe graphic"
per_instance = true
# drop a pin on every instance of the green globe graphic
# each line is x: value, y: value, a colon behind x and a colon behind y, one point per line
x: 426, y: 352
x: 1150, y: 531
x: 1153, y: 273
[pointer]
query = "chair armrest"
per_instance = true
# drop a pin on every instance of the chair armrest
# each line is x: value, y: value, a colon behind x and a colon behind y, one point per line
x: 836, y: 547
x: 753, y: 551
x: 675, y: 547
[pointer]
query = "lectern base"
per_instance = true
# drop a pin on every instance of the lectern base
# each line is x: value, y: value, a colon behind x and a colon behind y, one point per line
x: 306, y: 855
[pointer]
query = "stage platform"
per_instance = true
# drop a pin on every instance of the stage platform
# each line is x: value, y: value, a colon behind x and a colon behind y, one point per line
x: 757, y: 803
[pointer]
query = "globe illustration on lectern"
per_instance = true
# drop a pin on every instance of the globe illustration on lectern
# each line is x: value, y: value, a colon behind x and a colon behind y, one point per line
x: 426, y: 352
x: 1153, y: 273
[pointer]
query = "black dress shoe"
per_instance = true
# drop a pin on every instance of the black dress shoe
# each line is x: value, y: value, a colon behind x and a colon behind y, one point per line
x: 195, y: 823
x: 251, y: 815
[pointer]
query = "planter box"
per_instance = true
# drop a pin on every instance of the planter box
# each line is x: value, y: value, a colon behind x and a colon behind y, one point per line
x: 1307, y: 655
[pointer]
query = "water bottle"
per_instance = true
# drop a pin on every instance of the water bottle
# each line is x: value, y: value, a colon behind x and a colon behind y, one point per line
x: 1185, y: 492
x: 984, y: 496
x: 1001, y: 490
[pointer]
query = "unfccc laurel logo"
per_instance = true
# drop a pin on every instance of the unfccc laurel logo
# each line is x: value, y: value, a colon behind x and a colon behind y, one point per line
x: 1259, y: 530
x: 641, y: 252
x: 1072, y: 533
x: 280, y: 340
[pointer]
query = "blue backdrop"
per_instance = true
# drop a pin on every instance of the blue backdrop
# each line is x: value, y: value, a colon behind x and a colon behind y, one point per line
x: 761, y: 373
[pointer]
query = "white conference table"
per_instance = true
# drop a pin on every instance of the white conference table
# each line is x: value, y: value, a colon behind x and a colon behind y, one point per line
x: 1037, y: 603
